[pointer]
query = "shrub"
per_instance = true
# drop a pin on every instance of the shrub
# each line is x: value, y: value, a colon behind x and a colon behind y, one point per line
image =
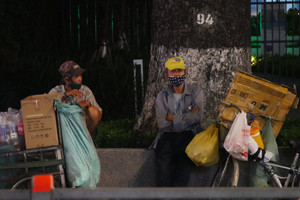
x: 290, y: 130
x: 120, y: 134
x: 285, y: 66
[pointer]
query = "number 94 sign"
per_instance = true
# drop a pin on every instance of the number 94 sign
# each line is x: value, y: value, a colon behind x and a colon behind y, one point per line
x: 202, y: 18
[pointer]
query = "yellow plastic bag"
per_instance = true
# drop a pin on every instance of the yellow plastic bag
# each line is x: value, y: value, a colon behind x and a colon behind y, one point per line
x: 203, y: 150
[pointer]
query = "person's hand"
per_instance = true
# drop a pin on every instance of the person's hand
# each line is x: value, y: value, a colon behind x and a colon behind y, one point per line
x: 169, y: 117
x: 75, y: 92
x: 195, y: 109
x: 254, y: 148
x: 84, y: 103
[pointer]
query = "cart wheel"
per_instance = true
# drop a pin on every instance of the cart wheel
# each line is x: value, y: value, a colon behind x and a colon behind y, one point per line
x: 24, y: 183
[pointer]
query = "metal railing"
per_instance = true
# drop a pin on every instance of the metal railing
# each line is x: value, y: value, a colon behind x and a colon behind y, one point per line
x: 154, y: 193
x: 275, y: 38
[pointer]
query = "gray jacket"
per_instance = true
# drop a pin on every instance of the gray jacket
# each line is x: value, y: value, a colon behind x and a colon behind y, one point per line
x: 187, y: 120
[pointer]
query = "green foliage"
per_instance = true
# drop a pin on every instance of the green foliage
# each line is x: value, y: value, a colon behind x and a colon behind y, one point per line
x: 290, y: 130
x: 120, y: 134
x: 286, y: 65
x: 293, y: 21
x: 255, y: 25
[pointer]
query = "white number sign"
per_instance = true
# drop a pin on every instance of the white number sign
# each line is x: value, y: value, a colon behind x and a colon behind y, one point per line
x: 201, y: 19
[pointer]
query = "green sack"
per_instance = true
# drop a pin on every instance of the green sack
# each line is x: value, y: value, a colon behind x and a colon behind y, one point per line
x: 203, y: 149
x: 269, y: 140
x: 258, y: 177
x: 82, y: 162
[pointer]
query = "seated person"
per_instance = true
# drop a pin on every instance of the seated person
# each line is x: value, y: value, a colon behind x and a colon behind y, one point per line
x: 72, y: 89
x: 179, y: 110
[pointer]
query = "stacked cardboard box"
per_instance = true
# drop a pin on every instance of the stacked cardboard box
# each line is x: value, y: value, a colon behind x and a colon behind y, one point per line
x: 39, y: 119
x: 262, y: 98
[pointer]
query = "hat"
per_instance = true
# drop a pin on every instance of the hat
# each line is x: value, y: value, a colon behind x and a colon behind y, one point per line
x: 70, y: 68
x: 175, y: 63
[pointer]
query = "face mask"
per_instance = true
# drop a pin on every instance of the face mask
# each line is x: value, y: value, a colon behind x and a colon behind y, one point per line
x: 176, y: 81
x: 75, y: 85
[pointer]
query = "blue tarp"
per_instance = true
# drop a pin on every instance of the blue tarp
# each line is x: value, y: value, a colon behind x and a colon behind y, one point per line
x: 82, y: 161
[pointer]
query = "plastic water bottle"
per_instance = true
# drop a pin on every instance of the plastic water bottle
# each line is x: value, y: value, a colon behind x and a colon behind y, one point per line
x: 4, y: 136
x: 13, y: 134
x: 20, y: 128
x: 255, y: 134
x: 1, y: 135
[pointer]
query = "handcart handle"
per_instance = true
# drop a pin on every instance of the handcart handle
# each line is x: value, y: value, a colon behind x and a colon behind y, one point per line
x: 231, y: 105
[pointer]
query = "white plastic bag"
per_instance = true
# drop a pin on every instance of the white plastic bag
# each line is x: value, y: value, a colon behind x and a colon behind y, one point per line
x: 237, y: 139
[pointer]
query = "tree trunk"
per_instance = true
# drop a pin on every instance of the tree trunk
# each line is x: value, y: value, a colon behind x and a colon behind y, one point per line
x: 212, y: 37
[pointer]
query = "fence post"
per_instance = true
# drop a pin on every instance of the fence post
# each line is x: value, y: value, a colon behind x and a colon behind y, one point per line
x: 135, y: 63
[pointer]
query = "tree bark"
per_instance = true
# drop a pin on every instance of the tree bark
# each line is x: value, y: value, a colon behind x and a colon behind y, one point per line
x: 212, y: 37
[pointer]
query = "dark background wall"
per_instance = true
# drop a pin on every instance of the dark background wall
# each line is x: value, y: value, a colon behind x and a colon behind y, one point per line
x: 37, y: 36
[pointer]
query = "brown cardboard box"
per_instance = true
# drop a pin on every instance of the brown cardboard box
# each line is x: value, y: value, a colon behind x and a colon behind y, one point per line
x: 261, y: 97
x: 39, y: 120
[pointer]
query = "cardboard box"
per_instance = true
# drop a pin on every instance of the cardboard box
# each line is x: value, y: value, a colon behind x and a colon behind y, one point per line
x: 39, y: 121
x: 262, y: 98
